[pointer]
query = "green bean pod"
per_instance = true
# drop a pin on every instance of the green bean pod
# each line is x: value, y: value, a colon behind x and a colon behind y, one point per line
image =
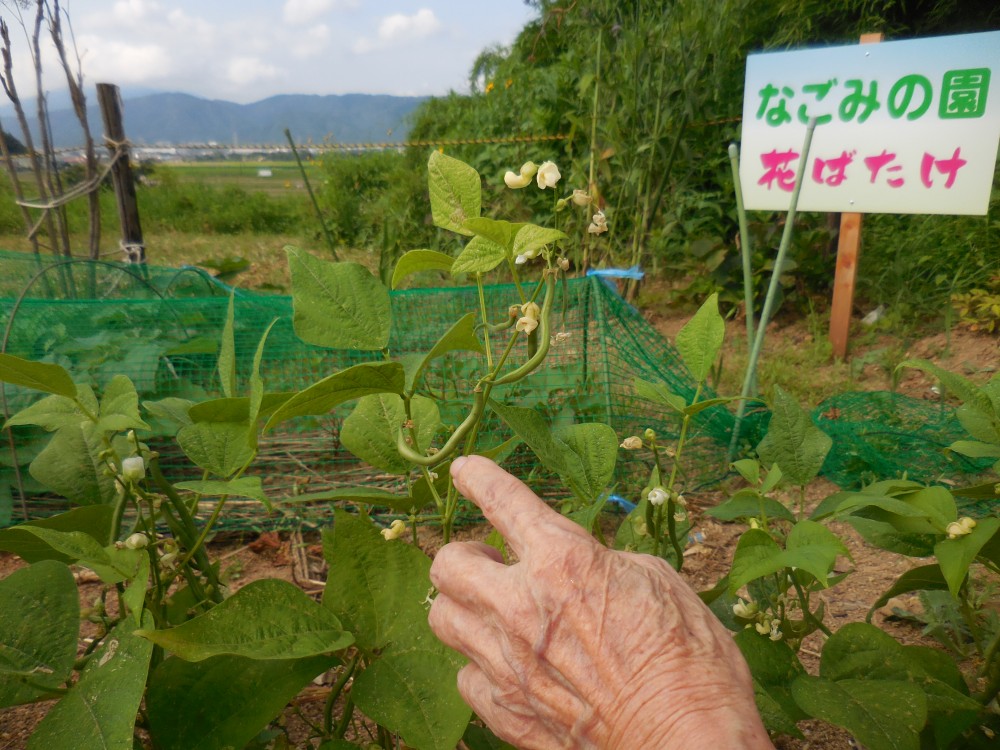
x: 544, y: 338
x: 446, y: 450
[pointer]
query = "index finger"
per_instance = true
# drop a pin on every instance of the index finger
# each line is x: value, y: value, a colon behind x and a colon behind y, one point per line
x: 515, y: 511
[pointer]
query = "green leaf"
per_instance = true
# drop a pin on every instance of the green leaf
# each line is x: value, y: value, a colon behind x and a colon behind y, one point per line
x: 266, y: 619
x: 531, y: 238
x: 479, y: 256
x: 596, y: 447
x: 134, y: 596
x: 456, y: 192
x: 377, y: 589
x: 658, y: 393
x: 170, y: 409
x: 390, y: 689
x: 38, y: 376
x: 773, y: 666
x: 885, y: 536
x: 975, y: 449
x: 338, y: 305
x: 120, y: 407
x: 700, y: 340
x: 792, y: 441
x: 225, y: 701
x: 95, y: 521
x: 371, y: 430
x: 924, y: 578
x: 756, y: 554
x: 966, y: 391
x: 554, y: 454
x: 749, y: 469
x: 496, y: 230
x: 881, y: 714
x: 416, y: 261
x: 49, y: 413
x: 39, y: 624
x: 98, y: 712
x: 111, y: 564
x: 588, y: 516
x: 460, y: 337
x: 346, y: 385
x: 220, y: 448
x: 243, y: 487
x: 70, y: 465
x: 227, y: 352
x: 749, y: 504
x: 956, y: 555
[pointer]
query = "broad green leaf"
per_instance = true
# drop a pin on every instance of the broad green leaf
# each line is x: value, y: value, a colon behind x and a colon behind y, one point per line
x: 111, y: 564
x: 339, y: 745
x: 50, y: 413
x: 749, y: 469
x: 596, y: 446
x: 226, y: 701
x: 456, y: 192
x: 346, y: 385
x: 416, y: 261
x: 389, y: 689
x: 588, y: 516
x: 966, y: 391
x: 481, y: 738
x: 227, y: 353
x: 70, y: 466
x: 750, y: 504
x: 700, y: 340
x: 658, y: 393
x: 338, y: 305
x: 531, y: 238
x: 555, y: 455
x: 479, y: 256
x: 975, y: 449
x: 357, y: 495
x: 956, y: 555
x: 460, y: 337
x: 773, y: 666
x: 243, y: 487
x: 773, y: 479
x: 120, y: 407
x: 370, y: 432
x: 98, y: 713
x: 235, y: 409
x: 885, y: 536
x: 39, y: 625
x: 756, y: 554
x: 266, y: 619
x: 95, y: 521
x: 378, y: 589
x: 924, y: 578
x: 220, y: 448
x: 496, y: 230
x: 792, y: 441
x: 881, y: 714
x: 812, y: 547
x: 38, y: 376
x: 171, y: 409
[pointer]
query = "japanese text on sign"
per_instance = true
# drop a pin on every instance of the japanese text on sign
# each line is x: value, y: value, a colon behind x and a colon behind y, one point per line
x: 902, y: 127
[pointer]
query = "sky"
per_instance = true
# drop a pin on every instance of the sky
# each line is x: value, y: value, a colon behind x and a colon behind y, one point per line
x: 247, y: 50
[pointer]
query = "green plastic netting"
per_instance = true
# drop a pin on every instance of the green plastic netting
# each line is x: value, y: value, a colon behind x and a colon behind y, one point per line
x: 161, y: 327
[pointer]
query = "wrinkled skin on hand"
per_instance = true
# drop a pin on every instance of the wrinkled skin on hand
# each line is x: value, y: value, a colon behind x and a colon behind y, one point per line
x: 579, y: 646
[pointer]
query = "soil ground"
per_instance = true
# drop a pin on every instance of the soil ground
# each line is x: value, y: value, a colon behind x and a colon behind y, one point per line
x: 977, y: 355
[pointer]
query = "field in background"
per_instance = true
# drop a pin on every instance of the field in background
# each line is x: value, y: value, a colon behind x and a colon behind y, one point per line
x: 271, y: 177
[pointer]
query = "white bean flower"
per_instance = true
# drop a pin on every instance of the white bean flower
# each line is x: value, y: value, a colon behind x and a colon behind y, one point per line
x: 658, y: 496
x: 133, y: 468
x: 522, y: 178
x: 548, y: 175
x: 396, y: 529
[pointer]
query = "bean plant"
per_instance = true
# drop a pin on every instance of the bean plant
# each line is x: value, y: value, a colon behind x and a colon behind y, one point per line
x: 171, y: 655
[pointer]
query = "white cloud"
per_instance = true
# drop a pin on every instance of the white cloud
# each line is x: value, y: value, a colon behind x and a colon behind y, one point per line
x: 121, y: 62
x: 243, y: 71
x: 400, y: 28
x: 134, y: 11
x: 299, y: 12
x: 311, y: 42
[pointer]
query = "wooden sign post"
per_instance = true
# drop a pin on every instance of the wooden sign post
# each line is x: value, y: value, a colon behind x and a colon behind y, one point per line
x: 848, y: 254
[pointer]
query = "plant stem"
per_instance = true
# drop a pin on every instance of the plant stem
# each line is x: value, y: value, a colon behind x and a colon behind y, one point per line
x: 772, y: 289
x: 335, y: 691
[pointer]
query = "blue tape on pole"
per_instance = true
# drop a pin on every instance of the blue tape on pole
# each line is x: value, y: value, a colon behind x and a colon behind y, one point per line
x: 617, y: 273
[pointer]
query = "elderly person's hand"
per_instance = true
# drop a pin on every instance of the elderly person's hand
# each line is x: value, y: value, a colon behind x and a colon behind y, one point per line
x: 579, y: 646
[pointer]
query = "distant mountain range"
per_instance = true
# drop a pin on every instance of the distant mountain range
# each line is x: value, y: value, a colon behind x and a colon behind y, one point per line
x: 170, y: 118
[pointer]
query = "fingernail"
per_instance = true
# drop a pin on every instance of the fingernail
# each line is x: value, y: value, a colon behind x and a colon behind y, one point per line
x: 457, y: 464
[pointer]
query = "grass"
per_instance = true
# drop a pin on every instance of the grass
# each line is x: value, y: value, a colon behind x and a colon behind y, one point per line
x: 285, y: 178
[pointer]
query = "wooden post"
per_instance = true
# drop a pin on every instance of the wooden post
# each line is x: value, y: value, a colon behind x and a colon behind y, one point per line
x: 109, y: 99
x: 848, y: 252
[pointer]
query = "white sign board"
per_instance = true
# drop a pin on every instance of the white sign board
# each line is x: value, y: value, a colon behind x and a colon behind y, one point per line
x: 908, y: 127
